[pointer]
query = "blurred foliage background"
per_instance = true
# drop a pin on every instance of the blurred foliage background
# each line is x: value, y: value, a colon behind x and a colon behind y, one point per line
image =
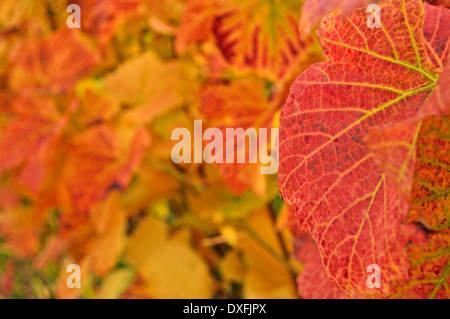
x: 86, y: 174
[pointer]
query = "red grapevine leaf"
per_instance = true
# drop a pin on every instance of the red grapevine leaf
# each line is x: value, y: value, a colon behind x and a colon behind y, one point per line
x: 313, y: 282
x: 439, y: 101
x: 394, y: 151
x: 394, y: 148
x: 373, y: 77
x: 437, y: 33
x: 443, y: 2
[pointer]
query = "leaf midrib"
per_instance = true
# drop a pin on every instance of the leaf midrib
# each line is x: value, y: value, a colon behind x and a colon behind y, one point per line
x: 430, y: 76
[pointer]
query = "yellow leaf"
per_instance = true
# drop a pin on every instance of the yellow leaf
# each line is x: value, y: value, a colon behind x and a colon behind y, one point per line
x: 231, y: 267
x: 115, y: 284
x: 150, y: 86
x: 266, y: 276
x: 12, y: 13
x: 110, y: 221
x: 169, y: 266
x: 151, y: 186
x: 95, y: 104
x: 164, y: 15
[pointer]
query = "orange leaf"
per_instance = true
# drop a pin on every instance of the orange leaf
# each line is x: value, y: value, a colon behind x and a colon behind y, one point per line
x: 98, y: 162
x: 31, y: 140
x: 260, y: 35
x: 53, y: 64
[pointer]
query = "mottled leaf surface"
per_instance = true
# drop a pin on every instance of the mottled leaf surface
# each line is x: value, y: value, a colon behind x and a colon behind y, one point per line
x: 373, y: 77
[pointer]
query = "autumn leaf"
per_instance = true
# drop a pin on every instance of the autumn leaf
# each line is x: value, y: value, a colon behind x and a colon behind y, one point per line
x: 168, y: 265
x: 21, y: 227
x: 150, y: 86
x: 165, y: 15
x: 313, y: 282
x: 314, y: 10
x: 50, y: 252
x: 8, y: 197
x: 439, y: 101
x: 428, y: 275
x: 196, y: 23
x: 430, y: 270
x: 110, y: 226
x: 232, y: 268
x: 240, y: 104
x: 217, y: 202
x: 95, y: 105
x: 237, y: 103
x: 259, y: 283
x: 102, y: 18
x: 338, y: 192
x: 95, y: 244
x: 98, y: 162
x: 394, y: 151
x: 399, y: 146
x: 12, y: 14
x: 437, y: 33
x: 86, y: 169
x: 260, y: 35
x: 394, y: 148
x: 443, y: 2
x: 151, y: 185
x: 52, y: 64
x: 31, y: 139
x: 115, y: 284
x: 430, y: 195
